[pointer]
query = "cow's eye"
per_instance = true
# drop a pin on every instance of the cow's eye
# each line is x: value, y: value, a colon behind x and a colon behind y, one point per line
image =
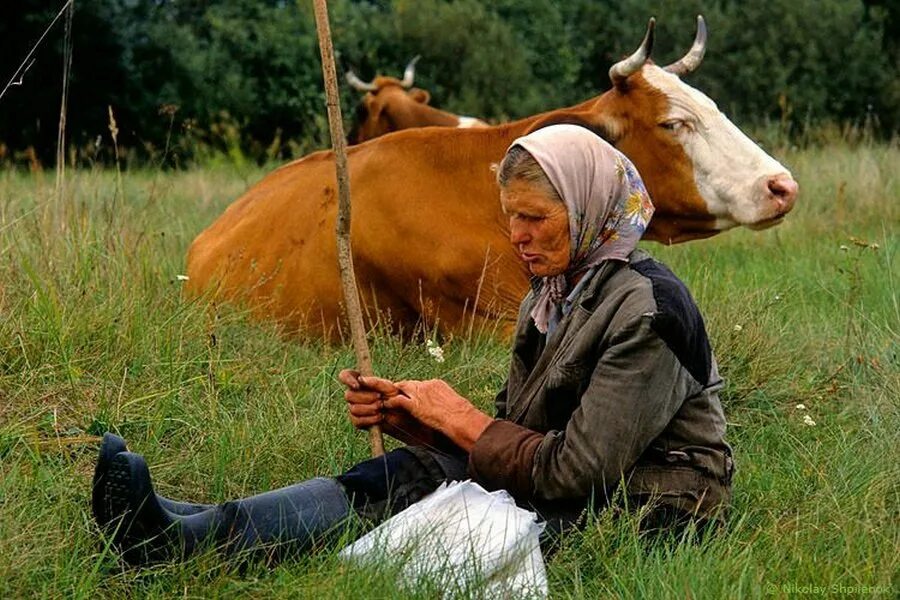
x: 673, y: 124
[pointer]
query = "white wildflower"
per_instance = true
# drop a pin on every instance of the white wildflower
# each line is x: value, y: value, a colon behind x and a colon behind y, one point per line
x: 738, y: 328
x: 845, y: 247
x: 182, y: 277
x: 800, y: 407
x: 808, y: 420
x: 777, y: 297
x: 435, y: 351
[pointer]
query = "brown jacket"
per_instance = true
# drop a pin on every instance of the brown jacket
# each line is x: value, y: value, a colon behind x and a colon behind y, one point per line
x: 625, y: 390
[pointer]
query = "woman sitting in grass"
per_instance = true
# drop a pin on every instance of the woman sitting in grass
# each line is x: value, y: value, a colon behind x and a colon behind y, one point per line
x: 612, y: 395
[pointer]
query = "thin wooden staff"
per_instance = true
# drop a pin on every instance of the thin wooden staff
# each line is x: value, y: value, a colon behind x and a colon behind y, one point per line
x: 342, y: 227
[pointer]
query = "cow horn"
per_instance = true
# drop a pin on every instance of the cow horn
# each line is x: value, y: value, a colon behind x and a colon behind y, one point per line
x: 620, y: 71
x: 358, y: 84
x: 410, y: 73
x: 694, y: 57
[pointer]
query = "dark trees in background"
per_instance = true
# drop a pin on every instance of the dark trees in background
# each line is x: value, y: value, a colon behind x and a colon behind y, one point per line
x: 29, y: 113
x: 191, y: 79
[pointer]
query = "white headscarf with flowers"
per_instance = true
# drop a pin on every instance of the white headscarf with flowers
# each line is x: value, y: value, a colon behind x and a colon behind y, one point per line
x: 606, y: 199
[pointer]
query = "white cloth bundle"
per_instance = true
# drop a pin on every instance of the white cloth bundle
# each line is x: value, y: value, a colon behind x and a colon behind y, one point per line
x: 462, y: 536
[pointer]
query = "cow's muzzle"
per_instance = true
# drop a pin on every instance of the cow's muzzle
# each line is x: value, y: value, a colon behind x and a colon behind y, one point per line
x: 782, y: 189
x: 779, y: 194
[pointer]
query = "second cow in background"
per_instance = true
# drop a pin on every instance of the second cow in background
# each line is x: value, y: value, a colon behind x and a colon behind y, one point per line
x: 391, y: 104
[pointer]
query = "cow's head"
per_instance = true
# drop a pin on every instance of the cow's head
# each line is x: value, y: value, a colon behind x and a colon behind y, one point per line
x: 712, y: 176
x: 385, y: 98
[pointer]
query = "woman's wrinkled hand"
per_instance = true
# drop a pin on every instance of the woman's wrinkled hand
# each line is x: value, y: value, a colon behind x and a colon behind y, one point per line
x: 366, y: 397
x: 438, y: 406
x: 432, y: 402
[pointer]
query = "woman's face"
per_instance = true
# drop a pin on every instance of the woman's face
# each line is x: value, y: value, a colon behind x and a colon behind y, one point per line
x: 538, y: 227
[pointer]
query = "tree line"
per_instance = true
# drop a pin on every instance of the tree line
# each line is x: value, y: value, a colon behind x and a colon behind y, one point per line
x: 187, y: 80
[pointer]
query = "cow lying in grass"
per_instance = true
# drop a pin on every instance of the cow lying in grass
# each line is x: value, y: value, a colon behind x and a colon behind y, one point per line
x: 430, y: 241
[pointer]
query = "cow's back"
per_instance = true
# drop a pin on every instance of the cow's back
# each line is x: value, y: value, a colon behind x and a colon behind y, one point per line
x: 420, y: 242
x: 266, y: 246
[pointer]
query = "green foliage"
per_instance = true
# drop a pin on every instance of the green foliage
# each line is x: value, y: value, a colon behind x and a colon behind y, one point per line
x: 785, y: 66
x: 496, y: 60
x: 464, y: 48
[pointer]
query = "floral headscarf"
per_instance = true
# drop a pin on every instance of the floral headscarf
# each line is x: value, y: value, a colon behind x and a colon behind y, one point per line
x: 608, y: 205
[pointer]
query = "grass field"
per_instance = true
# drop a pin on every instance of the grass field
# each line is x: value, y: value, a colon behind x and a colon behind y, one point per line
x: 95, y: 336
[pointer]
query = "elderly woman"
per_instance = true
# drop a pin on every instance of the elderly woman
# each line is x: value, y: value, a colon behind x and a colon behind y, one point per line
x: 611, y: 395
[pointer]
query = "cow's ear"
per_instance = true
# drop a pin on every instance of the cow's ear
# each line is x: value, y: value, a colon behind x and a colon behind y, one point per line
x: 420, y: 95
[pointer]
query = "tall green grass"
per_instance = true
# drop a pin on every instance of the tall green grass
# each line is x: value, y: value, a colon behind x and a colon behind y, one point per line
x: 95, y: 335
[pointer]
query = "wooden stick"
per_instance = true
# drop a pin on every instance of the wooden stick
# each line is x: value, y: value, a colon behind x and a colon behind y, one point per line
x: 342, y: 227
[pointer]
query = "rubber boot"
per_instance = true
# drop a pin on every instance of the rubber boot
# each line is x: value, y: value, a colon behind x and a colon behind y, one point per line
x: 274, y: 524
x: 142, y: 529
x: 112, y: 445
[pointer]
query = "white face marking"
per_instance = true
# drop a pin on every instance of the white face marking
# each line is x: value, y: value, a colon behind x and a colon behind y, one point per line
x: 730, y: 170
x: 467, y: 122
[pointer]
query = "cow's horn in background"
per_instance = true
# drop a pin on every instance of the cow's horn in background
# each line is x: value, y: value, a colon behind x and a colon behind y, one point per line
x: 694, y: 57
x: 358, y: 84
x: 620, y: 71
x: 410, y: 73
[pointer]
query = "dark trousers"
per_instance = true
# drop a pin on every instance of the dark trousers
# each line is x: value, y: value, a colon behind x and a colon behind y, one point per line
x: 381, y: 487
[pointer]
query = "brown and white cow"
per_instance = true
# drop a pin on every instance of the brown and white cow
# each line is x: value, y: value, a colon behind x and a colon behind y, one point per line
x: 429, y: 238
x: 393, y: 104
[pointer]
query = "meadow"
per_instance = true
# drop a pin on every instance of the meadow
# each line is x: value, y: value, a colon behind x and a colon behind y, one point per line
x: 96, y: 335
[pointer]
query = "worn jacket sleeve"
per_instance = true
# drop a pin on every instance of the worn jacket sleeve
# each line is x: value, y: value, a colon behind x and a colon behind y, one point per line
x: 500, y: 401
x: 634, y: 390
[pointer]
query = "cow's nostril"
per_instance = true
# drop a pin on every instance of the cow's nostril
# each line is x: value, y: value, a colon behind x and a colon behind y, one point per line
x: 784, y: 188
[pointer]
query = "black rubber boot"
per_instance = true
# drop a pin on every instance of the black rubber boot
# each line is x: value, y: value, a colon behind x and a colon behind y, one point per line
x: 109, y: 448
x: 273, y: 525
x: 142, y: 529
x: 182, y: 509
x: 111, y: 445
x: 288, y: 521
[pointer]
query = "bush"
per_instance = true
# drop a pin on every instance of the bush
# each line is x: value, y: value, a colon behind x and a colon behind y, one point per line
x: 791, y: 64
